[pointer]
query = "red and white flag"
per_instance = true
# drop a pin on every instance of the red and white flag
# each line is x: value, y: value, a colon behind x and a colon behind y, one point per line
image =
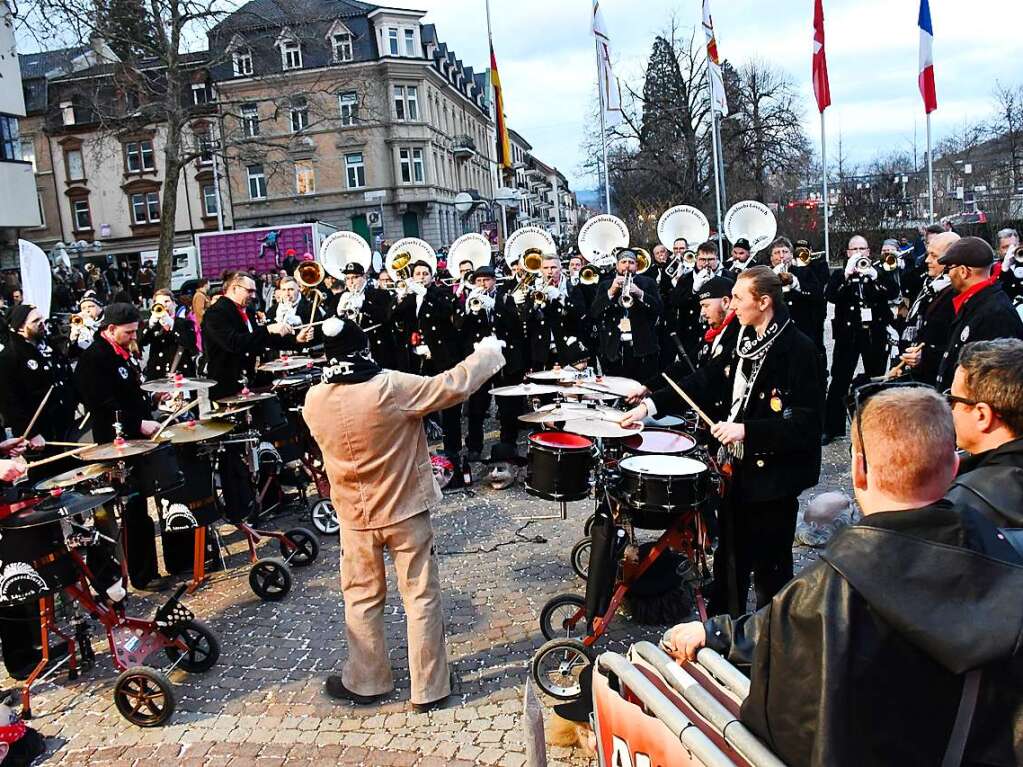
x: 927, y: 89
x: 821, y: 88
x: 717, y: 83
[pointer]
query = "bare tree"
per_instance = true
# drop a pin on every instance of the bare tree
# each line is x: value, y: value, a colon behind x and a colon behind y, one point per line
x: 1007, y: 126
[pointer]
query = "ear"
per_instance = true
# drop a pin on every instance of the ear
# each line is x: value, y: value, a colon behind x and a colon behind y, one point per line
x: 859, y: 471
x: 987, y: 419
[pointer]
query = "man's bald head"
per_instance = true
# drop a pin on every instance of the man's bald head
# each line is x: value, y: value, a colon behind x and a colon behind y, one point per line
x: 937, y: 244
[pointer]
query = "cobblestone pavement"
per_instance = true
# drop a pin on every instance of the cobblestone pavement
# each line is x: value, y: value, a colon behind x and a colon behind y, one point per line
x: 263, y: 704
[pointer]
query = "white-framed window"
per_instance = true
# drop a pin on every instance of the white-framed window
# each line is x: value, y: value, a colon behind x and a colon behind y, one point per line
x: 42, y: 211
x: 406, y: 102
x: 145, y: 207
x: 410, y: 42
x: 204, y: 148
x: 250, y: 120
x: 210, y: 201
x: 28, y: 151
x: 299, y: 114
x: 257, y: 182
x: 341, y: 43
x: 67, y: 112
x: 392, y: 41
x: 81, y: 215
x: 411, y: 165
x: 348, y: 103
x: 242, y: 63
x: 291, y: 54
x: 355, y: 170
x: 139, y: 156
x: 305, y: 177
x: 75, y: 165
x: 201, y: 93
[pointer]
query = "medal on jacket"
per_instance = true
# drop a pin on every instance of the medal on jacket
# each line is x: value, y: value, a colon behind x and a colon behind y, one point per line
x: 775, y: 401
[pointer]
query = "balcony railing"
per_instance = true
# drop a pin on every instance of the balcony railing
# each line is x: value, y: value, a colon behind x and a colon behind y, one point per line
x: 464, y: 147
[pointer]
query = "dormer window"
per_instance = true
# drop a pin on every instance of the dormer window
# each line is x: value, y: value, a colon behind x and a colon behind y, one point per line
x: 341, y: 43
x: 291, y: 54
x: 242, y: 63
x: 392, y: 41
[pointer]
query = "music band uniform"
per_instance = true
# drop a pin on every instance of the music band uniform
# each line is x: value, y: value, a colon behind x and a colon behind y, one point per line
x: 635, y: 354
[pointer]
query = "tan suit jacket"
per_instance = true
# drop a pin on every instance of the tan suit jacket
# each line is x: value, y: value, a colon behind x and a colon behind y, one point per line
x: 373, y: 442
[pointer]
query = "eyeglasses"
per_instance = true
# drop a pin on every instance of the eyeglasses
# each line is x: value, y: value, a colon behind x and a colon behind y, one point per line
x: 954, y: 400
x: 858, y: 398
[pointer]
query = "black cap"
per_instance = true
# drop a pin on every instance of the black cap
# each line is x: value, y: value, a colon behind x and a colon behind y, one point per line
x: 354, y: 267
x: 18, y: 316
x: 715, y: 287
x: 485, y: 271
x: 120, y: 314
x: 343, y: 338
x: 968, y: 251
x: 742, y: 242
x: 803, y: 244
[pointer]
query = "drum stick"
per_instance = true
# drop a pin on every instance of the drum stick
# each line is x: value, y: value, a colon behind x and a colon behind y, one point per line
x: 39, y: 411
x: 689, y: 401
x: 897, y: 370
x: 171, y: 417
x: 316, y: 305
x: 58, y: 456
x: 67, y: 444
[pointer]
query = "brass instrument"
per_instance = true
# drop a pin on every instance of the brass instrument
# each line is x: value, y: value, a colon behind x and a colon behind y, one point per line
x: 532, y: 260
x: 679, y: 264
x: 309, y: 274
x: 1017, y: 255
x: 890, y: 262
x: 862, y: 264
x: 643, y: 260
x: 158, y: 310
x: 625, y: 299
x: 77, y: 320
x: 402, y: 266
x: 403, y: 255
x: 804, y: 256
x: 589, y: 275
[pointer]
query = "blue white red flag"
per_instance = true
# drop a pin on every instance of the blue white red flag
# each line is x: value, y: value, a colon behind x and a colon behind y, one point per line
x: 927, y: 89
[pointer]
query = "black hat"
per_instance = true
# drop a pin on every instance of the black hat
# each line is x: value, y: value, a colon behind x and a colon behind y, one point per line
x: 803, y: 244
x: 485, y: 271
x: 342, y: 338
x: 354, y: 267
x: 715, y: 287
x: 120, y: 314
x: 89, y: 297
x: 18, y: 316
x: 968, y: 251
x: 742, y: 242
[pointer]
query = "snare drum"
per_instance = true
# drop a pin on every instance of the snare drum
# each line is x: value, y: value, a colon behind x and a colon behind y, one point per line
x: 279, y: 428
x: 268, y: 414
x: 559, y: 465
x: 659, y: 442
x: 663, y: 484
x: 157, y: 472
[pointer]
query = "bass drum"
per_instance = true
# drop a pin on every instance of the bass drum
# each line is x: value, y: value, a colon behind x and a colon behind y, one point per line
x: 36, y: 562
x: 194, y: 504
x: 559, y: 465
x: 660, y: 487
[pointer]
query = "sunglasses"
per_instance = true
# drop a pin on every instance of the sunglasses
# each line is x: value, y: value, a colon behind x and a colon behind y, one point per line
x: 859, y: 397
x: 954, y: 400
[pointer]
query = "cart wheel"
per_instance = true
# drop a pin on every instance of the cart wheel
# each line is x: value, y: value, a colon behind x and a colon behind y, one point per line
x: 203, y: 647
x: 144, y: 696
x: 581, y: 558
x: 306, y: 549
x: 563, y: 617
x: 270, y: 579
x: 589, y: 524
x: 323, y: 517
x: 557, y: 665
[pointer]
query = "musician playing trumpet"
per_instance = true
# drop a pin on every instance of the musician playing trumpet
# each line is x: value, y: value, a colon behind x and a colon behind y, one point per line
x: 85, y: 324
x: 372, y: 309
x: 626, y: 309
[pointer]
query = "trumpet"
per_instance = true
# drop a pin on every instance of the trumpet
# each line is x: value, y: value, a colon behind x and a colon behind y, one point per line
x: 77, y: 320
x: 402, y: 265
x: 158, y: 310
x: 804, y: 255
x: 1017, y: 255
x: 309, y: 274
x: 862, y: 264
x: 589, y: 275
x: 625, y: 299
x: 679, y: 264
x: 890, y: 262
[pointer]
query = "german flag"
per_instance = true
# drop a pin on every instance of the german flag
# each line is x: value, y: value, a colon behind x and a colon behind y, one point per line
x: 503, y: 145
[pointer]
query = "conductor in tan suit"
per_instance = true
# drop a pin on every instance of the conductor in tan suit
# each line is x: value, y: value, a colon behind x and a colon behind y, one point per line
x: 368, y: 423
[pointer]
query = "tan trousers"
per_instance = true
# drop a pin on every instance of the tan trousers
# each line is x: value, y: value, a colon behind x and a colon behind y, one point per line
x: 364, y: 584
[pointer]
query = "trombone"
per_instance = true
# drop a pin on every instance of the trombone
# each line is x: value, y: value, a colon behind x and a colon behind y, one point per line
x: 532, y: 260
x: 589, y: 275
x: 309, y: 274
x: 681, y: 264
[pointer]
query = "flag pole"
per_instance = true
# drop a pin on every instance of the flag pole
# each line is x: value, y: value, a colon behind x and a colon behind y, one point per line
x: 498, y: 177
x: 717, y: 178
x: 721, y: 163
x: 930, y: 173
x: 603, y: 130
x: 824, y: 179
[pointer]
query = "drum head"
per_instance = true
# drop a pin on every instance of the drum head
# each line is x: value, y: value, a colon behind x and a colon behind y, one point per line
x: 662, y: 441
x: 663, y: 465
x: 560, y: 439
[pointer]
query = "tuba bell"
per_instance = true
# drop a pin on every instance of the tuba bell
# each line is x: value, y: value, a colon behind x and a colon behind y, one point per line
x: 309, y: 274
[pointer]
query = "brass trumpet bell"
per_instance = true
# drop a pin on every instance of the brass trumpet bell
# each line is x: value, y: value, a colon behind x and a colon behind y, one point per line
x: 532, y: 260
x: 77, y: 320
x: 643, y: 260
x: 158, y: 310
x: 309, y: 274
x: 589, y: 275
x: 890, y: 262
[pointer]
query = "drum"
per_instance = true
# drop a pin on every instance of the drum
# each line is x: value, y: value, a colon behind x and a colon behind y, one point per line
x: 559, y: 465
x: 268, y: 414
x: 663, y: 484
x: 279, y: 428
x: 157, y: 471
x: 659, y: 442
x: 35, y: 560
x: 194, y: 503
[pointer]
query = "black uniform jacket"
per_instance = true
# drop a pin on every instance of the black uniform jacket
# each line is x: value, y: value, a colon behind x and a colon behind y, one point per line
x: 851, y: 296
x: 934, y: 335
x: 859, y: 659
x: 986, y: 315
x: 164, y: 345
x: 231, y: 349
x: 433, y: 325
x: 559, y: 327
x: 26, y: 374
x: 377, y: 310
x: 726, y: 341
x: 643, y: 316
x: 782, y: 449
x: 110, y: 385
x: 992, y: 483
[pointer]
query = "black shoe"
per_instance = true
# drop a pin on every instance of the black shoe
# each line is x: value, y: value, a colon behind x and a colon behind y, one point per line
x: 433, y: 705
x: 336, y: 689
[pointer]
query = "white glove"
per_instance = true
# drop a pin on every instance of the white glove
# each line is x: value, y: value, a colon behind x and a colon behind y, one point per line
x: 153, y: 320
x: 1017, y: 272
x: 417, y: 288
x: 871, y: 273
x: 167, y: 321
x: 491, y: 343
x: 893, y: 336
x: 553, y: 293
x: 519, y: 296
x: 700, y: 278
x: 73, y: 333
x: 850, y: 266
x: 294, y: 320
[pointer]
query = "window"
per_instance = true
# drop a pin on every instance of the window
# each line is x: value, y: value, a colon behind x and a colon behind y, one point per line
x: 139, y: 156
x: 305, y: 178
x: 75, y: 166
x: 250, y: 120
x: 392, y: 41
x: 406, y: 102
x: 355, y: 169
x: 201, y: 93
x: 299, y: 114
x: 145, y: 207
x: 349, y: 104
x: 257, y: 182
x: 81, y: 215
x: 411, y: 165
x: 204, y: 147
x: 342, y: 45
x: 210, y: 202
x: 410, y: 42
x: 67, y: 112
x: 242, y: 63
x: 10, y: 144
x: 291, y: 55
x: 42, y: 212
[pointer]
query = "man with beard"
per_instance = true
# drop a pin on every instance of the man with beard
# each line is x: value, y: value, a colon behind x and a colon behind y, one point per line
x: 925, y: 334
x: 741, y: 256
x: 627, y: 335
x: 722, y: 329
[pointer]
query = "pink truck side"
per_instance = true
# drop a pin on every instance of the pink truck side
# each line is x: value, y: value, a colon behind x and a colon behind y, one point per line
x: 246, y: 249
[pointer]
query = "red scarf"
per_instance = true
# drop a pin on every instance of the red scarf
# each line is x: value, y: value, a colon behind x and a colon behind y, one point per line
x: 123, y: 353
x: 243, y: 313
x: 959, y: 301
x: 713, y: 333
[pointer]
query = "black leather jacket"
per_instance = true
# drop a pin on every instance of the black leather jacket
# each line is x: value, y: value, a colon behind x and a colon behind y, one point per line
x: 992, y: 483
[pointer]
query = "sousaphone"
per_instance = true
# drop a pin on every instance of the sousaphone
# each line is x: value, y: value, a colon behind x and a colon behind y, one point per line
x: 601, y: 237
x: 469, y: 247
x: 404, y: 254
x: 534, y: 240
x: 341, y: 249
x: 683, y: 221
x: 752, y: 221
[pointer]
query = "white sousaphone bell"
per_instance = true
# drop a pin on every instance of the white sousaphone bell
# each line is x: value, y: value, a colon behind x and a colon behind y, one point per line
x: 403, y: 255
x: 341, y: 249
x: 752, y: 221
x: 469, y: 247
x: 683, y: 221
x: 600, y: 239
x: 528, y: 238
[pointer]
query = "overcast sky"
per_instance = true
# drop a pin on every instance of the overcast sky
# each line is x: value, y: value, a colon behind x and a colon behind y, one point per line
x: 545, y: 55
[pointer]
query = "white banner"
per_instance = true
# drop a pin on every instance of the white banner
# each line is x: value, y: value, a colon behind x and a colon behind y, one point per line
x: 36, y: 278
x: 717, y: 84
x: 610, y: 91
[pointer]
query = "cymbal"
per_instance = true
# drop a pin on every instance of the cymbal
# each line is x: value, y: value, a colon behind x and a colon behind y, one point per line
x: 586, y: 394
x: 114, y: 451
x: 176, y: 384
x: 613, y: 384
x: 58, y: 507
x: 556, y: 374
x: 285, y: 363
x: 247, y: 398
x: 195, y: 431
x: 568, y: 411
x: 524, y: 390
x: 598, y: 427
x: 227, y: 412
x: 73, y: 477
